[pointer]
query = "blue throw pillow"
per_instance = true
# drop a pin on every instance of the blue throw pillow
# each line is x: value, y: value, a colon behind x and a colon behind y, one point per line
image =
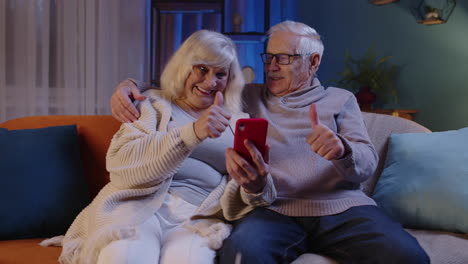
x: 424, y: 183
x: 43, y: 187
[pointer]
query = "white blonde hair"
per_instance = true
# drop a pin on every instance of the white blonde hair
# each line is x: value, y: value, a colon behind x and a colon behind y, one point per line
x: 309, y: 42
x: 209, y: 48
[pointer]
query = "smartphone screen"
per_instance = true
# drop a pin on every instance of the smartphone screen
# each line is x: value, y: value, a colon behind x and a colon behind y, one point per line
x: 253, y: 129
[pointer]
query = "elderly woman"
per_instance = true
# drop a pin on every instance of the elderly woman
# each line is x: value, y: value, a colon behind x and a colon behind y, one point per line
x: 169, y: 166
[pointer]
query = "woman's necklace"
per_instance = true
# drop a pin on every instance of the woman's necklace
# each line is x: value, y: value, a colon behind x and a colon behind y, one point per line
x: 187, y: 109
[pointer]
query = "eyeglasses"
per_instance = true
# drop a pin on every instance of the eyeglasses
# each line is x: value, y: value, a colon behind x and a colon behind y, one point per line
x: 281, y: 58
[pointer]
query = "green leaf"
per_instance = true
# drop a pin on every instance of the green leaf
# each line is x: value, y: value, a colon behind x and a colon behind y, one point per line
x: 373, y: 70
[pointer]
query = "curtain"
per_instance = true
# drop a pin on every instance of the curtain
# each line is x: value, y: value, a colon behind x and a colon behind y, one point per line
x: 65, y: 57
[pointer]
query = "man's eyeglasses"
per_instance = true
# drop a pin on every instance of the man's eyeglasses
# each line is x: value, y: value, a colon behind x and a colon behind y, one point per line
x: 281, y: 58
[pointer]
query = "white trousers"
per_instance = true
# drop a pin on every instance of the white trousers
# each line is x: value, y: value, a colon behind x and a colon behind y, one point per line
x: 161, y: 239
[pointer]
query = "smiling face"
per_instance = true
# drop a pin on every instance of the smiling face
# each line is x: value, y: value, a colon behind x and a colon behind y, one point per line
x: 201, y: 86
x: 284, y: 79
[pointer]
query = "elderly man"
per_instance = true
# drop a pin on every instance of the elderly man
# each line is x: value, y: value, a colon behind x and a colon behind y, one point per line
x: 319, y: 154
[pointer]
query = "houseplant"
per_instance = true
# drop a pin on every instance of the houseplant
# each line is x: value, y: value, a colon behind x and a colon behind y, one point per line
x: 371, y: 77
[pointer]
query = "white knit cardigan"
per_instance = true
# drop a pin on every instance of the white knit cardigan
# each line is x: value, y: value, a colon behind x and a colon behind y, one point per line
x: 142, y: 158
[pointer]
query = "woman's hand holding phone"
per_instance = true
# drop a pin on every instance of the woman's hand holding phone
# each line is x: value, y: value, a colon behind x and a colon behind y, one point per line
x: 247, y: 163
x: 254, y: 130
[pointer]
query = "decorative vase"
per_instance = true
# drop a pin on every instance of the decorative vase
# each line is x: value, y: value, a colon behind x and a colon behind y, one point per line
x: 236, y: 22
x: 366, y: 98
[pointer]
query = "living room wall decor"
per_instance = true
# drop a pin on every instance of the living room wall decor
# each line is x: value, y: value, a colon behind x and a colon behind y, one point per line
x: 433, y: 12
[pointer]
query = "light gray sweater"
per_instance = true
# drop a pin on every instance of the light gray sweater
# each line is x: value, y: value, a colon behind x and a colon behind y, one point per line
x: 307, y: 184
x: 203, y: 170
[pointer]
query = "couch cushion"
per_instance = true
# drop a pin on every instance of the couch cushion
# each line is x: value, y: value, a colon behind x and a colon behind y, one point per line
x: 425, y: 180
x: 443, y: 247
x: 380, y: 127
x: 95, y: 133
x: 43, y: 188
x: 27, y: 251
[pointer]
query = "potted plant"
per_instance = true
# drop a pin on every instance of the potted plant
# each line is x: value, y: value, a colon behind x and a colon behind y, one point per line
x: 370, y: 77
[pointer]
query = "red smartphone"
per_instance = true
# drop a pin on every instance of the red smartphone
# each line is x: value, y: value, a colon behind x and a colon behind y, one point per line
x: 253, y: 129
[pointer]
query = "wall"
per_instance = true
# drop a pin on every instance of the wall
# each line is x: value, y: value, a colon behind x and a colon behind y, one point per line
x: 434, y: 59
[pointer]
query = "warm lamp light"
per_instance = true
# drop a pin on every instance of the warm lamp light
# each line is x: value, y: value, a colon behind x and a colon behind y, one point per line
x: 382, y: 2
x: 432, y: 12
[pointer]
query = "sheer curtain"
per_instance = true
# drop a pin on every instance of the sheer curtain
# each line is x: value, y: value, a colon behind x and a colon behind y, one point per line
x: 61, y: 57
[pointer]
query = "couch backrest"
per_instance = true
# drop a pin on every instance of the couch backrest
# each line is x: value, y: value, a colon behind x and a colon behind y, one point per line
x: 380, y: 127
x: 95, y: 132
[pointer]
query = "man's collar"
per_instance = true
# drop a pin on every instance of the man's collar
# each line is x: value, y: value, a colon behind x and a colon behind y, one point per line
x: 315, y: 83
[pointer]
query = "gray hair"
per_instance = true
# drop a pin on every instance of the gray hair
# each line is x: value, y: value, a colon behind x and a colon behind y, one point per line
x: 209, y: 48
x: 309, y: 42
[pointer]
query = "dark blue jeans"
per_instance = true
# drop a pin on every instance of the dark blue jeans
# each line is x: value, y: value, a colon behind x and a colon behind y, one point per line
x: 362, y: 234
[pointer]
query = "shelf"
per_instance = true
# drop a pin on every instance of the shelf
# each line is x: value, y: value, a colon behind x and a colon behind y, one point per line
x: 432, y: 21
x: 245, y: 33
x: 382, y: 2
x: 404, y: 113
x: 246, y: 37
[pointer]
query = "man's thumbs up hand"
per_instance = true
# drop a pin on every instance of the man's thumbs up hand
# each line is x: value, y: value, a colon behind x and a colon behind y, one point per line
x: 214, y: 120
x: 313, y: 115
x: 323, y: 140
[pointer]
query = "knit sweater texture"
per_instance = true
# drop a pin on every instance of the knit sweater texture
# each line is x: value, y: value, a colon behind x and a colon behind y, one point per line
x: 307, y: 184
x: 142, y: 159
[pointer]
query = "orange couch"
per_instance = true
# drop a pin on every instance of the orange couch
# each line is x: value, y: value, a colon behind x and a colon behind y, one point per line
x: 95, y: 133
